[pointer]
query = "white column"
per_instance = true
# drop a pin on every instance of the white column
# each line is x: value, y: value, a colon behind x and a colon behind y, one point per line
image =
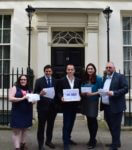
x: 43, y: 51
x: 91, y: 49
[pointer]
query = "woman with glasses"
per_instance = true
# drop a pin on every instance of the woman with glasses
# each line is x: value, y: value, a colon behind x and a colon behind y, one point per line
x: 90, y: 98
x: 21, y: 113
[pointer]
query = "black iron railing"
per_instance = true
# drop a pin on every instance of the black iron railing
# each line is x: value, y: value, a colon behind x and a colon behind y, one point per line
x: 128, y: 112
x: 7, y: 80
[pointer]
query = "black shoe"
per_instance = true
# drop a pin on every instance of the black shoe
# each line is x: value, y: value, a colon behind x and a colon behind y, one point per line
x: 113, y: 148
x: 110, y: 145
x: 91, y: 146
x: 41, y: 148
x: 91, y: 142
x: 72, y: 142
x: 51, y: 145
x: 66, y: 147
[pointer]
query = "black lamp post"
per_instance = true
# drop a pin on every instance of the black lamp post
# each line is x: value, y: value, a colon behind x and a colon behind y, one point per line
x: 107, y: 13
x: 30, y: 10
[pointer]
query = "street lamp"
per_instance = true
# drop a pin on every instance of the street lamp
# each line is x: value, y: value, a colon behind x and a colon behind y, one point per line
x: 30, y: 10
x: 107, y: 13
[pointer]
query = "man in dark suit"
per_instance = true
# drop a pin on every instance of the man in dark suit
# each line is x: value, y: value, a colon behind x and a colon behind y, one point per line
x: 113, y: 103
x: 45, y: 108
x: 69, y: 108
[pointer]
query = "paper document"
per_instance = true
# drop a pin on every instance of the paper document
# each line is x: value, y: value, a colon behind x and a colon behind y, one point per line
x: 103, y: 92
x: 105, y: 97
x: 33, y: 97
x: 71, y: 95
x: 86, y: 89
x: 50, y: 92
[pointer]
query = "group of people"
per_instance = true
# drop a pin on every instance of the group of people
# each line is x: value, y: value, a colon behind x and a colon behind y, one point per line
x: 113, y: 85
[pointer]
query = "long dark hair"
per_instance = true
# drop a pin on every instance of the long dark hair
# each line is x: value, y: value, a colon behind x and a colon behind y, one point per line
x: 26, y: 87
x: 86, y: 75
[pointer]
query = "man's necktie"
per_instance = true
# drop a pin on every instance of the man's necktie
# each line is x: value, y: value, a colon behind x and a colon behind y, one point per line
x: 48, y: 82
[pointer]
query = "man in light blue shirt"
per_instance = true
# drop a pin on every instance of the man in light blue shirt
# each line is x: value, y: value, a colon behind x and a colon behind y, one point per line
x: 113, y: 103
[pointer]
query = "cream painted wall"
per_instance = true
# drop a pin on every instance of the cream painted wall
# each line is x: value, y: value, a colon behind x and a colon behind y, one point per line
x: 19, y: 36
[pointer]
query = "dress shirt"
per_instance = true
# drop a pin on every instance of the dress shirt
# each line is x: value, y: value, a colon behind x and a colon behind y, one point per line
x: 71, y: 82
x: 106, y: 87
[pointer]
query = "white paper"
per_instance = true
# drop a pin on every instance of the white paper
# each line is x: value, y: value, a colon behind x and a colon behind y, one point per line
x: 50, y: 92
x: 33, y: 97
x: 105, y: 97
x: 71, y: 95
x: 103, y: 92
x: 86, y: 89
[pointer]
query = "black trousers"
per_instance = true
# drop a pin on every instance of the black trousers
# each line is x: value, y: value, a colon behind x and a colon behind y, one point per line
x: 92, y: 127
x: 114, y: 123
x: 69, y: 117
x: 46, y: 117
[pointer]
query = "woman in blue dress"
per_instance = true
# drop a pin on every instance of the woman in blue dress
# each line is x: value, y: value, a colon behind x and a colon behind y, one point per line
x: 21, y: 113
x: 90, y: 100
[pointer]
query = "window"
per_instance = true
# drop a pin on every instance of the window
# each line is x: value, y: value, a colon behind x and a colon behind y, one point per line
x: 5, y: 30
x: 67, y: 37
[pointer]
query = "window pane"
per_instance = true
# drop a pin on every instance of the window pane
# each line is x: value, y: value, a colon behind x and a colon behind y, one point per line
x: 6, y: 36
x: 6, y: 81
x: 0, y: 52
x: 0, y: 21
x: 0, y: 81
x: 131, y: 24
x: 129, y: 80
x: 6, y: 52
x: 67, y: 37
x: 0, y: 36
x: 127, y: 53
x: 0, y: 66
x: 7, y: 21
x: 126, y: 23
x: 126, y: 67
x: 0, y: 74
x: 6, y: 66
x: 127, y: 35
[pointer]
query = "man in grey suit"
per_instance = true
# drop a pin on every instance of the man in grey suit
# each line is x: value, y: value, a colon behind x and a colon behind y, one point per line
x: 114, y: 103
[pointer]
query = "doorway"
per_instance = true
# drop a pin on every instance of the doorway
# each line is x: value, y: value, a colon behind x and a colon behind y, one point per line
x: 62, y: 56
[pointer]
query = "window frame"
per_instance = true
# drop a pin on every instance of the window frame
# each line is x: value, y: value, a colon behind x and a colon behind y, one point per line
x: 4, y: 44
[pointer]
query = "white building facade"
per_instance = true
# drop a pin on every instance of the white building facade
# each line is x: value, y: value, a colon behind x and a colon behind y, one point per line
x: 58, y: 25
x: 65, y: 31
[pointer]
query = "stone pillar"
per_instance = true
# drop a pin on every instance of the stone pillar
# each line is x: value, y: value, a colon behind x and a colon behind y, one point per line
x: 43, y: 51
x: 91, y: 40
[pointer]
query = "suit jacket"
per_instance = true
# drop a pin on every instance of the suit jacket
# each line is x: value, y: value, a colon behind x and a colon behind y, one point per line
x: 64, y: 84
x: 44, y: 102
x: 119, y: 86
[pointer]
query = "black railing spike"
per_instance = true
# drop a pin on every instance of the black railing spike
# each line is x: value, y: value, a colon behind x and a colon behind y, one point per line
x: 22, y: 70
x: 17, y: 73
x: 12, y: 76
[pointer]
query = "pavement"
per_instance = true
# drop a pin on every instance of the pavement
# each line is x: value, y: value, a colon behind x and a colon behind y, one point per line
x: 80, y: 135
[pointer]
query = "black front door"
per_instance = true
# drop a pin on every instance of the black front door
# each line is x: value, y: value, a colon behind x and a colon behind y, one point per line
x: 61, y: 56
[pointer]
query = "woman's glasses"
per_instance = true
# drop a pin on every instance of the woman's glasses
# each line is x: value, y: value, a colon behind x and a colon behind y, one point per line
x: 23, y: 79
